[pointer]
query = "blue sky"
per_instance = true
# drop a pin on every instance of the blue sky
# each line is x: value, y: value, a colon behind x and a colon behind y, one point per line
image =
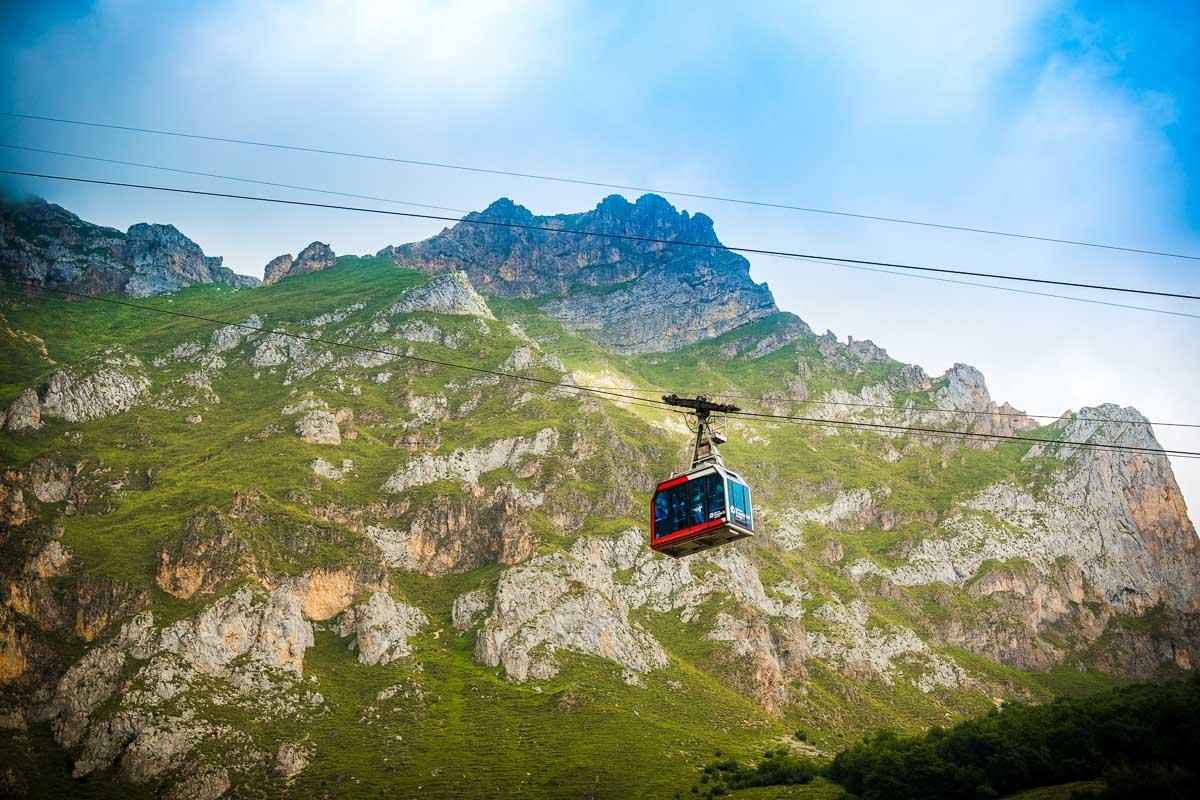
x: 1077, y: 120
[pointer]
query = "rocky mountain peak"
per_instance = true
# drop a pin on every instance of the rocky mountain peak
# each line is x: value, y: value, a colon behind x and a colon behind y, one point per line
x: 651, y: 216
x: 633, y: 296
x: 47, y: 245
x: 966, y: 386
x: 162, y: 236
x: 317, y: 256
x: 504, y: 210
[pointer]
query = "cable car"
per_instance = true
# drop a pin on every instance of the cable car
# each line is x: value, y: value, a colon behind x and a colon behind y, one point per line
x: 709, y: 504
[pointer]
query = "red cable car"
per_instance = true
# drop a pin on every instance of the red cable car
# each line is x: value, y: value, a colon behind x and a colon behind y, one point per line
x: 706, y: 506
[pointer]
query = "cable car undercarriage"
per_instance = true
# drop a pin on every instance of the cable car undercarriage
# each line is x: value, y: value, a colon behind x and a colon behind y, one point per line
x: 707, y: 505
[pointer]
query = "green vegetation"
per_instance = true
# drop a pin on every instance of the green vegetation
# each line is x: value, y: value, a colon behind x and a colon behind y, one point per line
x: 776, y: 768
x: 1142, y: 735
x: 455, y: 727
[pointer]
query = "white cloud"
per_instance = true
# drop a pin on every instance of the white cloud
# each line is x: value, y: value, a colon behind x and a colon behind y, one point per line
x: 383, y: 52
x: 939, y: 58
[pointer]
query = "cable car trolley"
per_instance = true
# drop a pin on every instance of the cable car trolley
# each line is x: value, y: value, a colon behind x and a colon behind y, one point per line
x: 709, y: 504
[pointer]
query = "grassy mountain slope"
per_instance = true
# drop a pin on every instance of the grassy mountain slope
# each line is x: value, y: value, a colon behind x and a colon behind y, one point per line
x: 155, y: 500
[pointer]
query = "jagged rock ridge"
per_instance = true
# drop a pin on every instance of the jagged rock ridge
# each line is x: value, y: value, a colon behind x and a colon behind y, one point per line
x: 49, y: 246
x: 637, y: 297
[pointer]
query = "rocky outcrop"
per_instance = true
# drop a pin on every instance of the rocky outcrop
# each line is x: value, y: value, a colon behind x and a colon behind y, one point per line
x: 961, y: 403
x: 1111, y: 530
x: 131, y: 701
x: 291, y: 759
x: 325, y: 593
x: 85, y: 607
x: 164, y: 260
x: 789, y: 328
x: 24, y: 414
x: 852, y: 510
x: 1140, y: 547
x: 277, y: 269
x: 97, y: 602
x: 271, y: 631
x: 207, y: 556
x: 468, y: 465
x: 49, y: 480
x: 319, y: 427
x: 763, y: 658
x: 646, y: 296
x: 317, y: 256
x: 110, y: 383
x: 205, y: 783
x: 26, y: 661
x: 13, y: 510
x: 873, y: 650
x: 469, y: 608
x: 965, y: 389
x: 46, y: 245
x: 445, y: 294
x: 381, y: 628
x: 537, y: 610
x: 448, y: 535
x: 328, y: 471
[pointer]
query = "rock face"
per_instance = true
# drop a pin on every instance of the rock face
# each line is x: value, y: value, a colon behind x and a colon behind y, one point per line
x: 467, y: 465
x: 319, y: 427
x: 960, y: 402
x: 48, y: 246
x: 382, y: 628
x: 273, y: 633
x: 455, y: 535
x: 446, y: 294
x: 646, y: 296
x: 126, y: 701
x: 206, y: 783
x: 111, y: 383
x: 317, y: 256
x: 277, y: 269
x: 1110, y: 494
x: 539, y: 608
x: 24, y: 414
x: 291, y: 760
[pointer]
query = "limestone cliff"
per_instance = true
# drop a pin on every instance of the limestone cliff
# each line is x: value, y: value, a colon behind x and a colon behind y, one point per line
x: 632, y: 296
x: 49, y: 246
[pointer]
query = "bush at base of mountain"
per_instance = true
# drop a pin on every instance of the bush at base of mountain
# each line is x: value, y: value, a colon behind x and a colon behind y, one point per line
x: 777, y: 768
x: 1140, y: 739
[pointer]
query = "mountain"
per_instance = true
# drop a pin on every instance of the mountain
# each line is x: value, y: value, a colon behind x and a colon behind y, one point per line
x: 49, y: 246
x: 632, y: 296
x: 245, y: 564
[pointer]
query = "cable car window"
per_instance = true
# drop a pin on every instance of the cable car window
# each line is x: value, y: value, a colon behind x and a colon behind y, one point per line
x: 679, y: 508
x: 739, y: 505
x: 716, y: 496
x: 662, y: 513
x: 696, y: 495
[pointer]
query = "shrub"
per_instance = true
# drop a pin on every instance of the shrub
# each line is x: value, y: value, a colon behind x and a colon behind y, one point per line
x: 1141, y: 738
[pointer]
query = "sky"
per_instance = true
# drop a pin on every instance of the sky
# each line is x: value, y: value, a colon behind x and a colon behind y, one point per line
x: 1070, y: 120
